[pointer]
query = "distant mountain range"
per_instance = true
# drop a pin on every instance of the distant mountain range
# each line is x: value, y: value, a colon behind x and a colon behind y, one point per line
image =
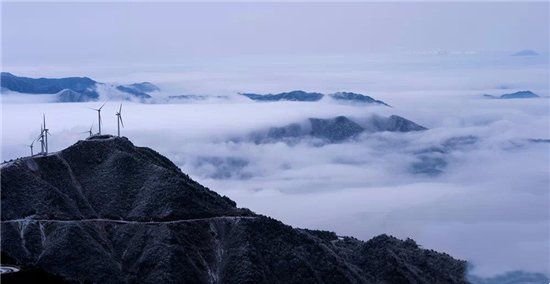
x: 302, y: 96
x: 72, y: 89
x: 190, y: 98
x: 83, y: 89
x: 516, y: 95
x: 333, y: 130
x: 69, y: 89
x: 106, y: 211
x: 299, y: 96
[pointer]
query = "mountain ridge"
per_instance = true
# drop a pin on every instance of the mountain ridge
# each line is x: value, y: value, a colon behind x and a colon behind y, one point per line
x: 106, y: 211
x: 303, y: 96
x: 335, y: 129
x: 71, y: 89
x: 515, y: 95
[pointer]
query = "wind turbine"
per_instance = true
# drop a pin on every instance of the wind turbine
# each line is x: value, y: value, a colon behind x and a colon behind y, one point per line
x: 46, y: 133
x: 41, y: 138
x: 89, y: 131
x: 119, y: 119
x: 99, y: 116
x: 32, y: 145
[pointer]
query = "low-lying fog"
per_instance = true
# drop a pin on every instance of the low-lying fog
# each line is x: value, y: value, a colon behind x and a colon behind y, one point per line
x: 488, y: 201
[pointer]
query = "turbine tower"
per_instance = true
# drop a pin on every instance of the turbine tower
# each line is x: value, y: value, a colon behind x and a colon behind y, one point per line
x: 41, y: 138
x: 46, y: 133
x: 31, y: 146
x: 99, y: 116
x: 119, y: 119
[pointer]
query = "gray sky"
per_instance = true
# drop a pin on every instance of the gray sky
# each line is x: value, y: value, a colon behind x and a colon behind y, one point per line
x: 500, y: 224
x: 167, y: 33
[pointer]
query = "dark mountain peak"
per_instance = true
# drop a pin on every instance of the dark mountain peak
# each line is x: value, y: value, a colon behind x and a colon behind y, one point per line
x: 297, y: 95
x: 356, y: 98
x: 334, y: 129
x: 106, y: 211
x: 106, y: 177
x: 393, y: 123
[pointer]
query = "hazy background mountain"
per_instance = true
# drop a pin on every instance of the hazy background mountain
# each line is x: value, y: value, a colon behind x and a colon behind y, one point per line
x: 74, y: 89
x: 516, y: 95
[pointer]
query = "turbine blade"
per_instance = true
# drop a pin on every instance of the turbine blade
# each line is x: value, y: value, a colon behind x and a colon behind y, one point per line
x: 120, y: 108
x: 120, y: 117
x: 102, y: 105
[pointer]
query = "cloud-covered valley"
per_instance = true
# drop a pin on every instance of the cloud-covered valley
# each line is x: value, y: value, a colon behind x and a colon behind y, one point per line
x: 474, y: 184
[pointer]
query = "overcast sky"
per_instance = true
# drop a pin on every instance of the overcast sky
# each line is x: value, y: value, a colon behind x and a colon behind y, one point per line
x: 35, y: 34
x: 490, y: 206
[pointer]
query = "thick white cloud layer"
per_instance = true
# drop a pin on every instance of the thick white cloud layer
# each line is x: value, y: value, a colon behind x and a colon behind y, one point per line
x: 490, y: 205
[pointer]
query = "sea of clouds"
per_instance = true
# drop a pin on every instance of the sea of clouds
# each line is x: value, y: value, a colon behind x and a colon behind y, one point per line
x: 490, y: 205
